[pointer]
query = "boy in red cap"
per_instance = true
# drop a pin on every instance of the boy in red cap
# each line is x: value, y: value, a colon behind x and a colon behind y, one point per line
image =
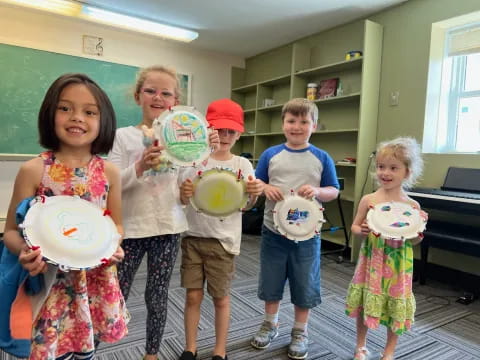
x: 210, y: 245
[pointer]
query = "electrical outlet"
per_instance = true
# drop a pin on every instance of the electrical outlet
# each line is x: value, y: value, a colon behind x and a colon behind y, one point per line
x: 394, y: 98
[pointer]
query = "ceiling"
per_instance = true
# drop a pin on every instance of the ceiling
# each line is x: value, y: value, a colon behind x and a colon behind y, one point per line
x: 248, y: 27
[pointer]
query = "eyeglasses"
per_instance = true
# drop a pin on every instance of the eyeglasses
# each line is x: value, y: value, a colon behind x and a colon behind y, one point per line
x: 165, y: 95
x: 226, y: 132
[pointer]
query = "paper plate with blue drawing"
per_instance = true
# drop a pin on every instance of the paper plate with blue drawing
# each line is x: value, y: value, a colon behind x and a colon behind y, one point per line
x: 183, y: 132
x: 71, y: 232
x: 219, y: 192
x: 395, y: 220
x: 298, y: 218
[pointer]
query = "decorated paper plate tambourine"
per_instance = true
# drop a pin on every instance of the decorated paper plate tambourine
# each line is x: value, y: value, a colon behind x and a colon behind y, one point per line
x: 72, y: 233
x: 298, y: 218
x: 183, y: 131
x: 219, y: 192
x: 396, y: 221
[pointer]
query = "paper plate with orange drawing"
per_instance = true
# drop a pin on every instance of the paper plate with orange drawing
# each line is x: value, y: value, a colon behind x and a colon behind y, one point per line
x: 395, y: 220
x: 71, y: 232
x: 183, y: 132
x: 219, y: 192
x: 298, y: 218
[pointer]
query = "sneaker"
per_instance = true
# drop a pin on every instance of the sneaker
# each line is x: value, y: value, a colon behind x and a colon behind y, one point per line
x: 218, y: 357
x: 188, y: 355
x: 298, y: 348
x: 264, y: 336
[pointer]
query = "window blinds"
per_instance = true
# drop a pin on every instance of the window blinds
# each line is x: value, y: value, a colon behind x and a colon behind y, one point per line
x: 464, y: 41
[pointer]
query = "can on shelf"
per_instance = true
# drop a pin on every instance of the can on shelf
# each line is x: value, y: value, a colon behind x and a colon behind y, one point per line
x: 350, y: 55
x: 312, y: 89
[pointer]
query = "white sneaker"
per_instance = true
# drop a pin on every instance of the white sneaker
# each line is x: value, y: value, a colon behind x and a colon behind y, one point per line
x: 264, y: 336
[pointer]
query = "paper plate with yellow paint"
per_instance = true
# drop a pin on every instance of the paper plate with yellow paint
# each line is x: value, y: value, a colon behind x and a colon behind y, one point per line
x: 219, y: 192
x: 183, y: 131
x: 72, y: 233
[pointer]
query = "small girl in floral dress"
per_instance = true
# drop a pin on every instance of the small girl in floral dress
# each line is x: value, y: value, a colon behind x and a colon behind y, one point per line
x: 381, y: 288
x: 76, y: 308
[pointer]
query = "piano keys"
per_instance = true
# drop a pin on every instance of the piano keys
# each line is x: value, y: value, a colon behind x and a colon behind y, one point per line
x: 446, y: 202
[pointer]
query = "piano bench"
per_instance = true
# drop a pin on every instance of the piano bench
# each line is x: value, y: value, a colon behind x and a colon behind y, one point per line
x: 452, y: 237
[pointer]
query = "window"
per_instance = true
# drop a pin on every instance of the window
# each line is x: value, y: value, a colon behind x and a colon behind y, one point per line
x: 452, y: 118
x: 463, y: 122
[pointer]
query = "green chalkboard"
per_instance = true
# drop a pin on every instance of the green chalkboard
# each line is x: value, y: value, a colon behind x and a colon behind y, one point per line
x: 26, y: 74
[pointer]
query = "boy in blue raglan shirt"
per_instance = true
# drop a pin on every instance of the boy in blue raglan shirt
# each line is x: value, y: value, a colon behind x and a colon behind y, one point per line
x: 309, y: 171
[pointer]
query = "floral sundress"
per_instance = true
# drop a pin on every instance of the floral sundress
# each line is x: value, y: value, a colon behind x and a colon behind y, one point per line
x: 381, y: 288
x: 82, y: 306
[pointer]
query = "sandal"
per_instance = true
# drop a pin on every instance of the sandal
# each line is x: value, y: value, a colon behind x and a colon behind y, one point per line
x: 361, y: 353
x: 386, y: 357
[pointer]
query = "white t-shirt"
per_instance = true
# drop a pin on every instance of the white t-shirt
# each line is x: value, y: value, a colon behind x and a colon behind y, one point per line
x: 148, y: 209
x: 228, y: 231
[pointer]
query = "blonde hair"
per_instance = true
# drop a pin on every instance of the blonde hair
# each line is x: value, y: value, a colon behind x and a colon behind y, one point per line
x: 301, y: 107
x: 142, y: 76
x: 408, y: 151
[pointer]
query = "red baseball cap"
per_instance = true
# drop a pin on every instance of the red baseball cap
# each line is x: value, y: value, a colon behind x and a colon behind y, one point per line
x: 225, y: 114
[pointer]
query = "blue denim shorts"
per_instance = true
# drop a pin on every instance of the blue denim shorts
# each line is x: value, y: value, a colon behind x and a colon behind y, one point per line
x: 282, y: 259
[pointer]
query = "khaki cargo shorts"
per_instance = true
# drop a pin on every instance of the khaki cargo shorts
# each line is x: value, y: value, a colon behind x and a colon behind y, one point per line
x: 205, y: 259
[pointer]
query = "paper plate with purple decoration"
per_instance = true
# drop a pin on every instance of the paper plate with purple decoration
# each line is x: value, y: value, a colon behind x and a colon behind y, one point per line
x: 183, y: 131
x: 395, y: 220
x: 298, y: 218
x: 72, y: 233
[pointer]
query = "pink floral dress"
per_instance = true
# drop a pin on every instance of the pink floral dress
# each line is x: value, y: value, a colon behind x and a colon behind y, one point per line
x: 82, y: 305
x: 381, y: 288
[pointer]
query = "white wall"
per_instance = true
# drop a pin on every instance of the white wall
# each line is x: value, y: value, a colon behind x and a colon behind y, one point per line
x: 28, y: 28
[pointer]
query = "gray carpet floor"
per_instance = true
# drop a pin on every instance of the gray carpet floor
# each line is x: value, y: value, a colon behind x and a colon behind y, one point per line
x: 444, y: 329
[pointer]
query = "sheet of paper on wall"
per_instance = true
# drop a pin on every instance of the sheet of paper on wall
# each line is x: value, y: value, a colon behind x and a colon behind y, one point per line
x: 92, y: 45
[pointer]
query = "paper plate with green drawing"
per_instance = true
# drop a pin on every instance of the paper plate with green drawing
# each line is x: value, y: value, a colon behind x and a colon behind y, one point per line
x: 298, y: 218
x: 395, y: 220
x: 72, y: 233
x: 183, y: 132
x: 219, y: 192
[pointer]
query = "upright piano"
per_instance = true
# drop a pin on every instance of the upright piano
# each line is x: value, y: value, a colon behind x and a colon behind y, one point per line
x: 454, y: 215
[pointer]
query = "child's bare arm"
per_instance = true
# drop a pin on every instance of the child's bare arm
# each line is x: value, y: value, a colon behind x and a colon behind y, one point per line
x: 424, y: 215
x: 323, y: 194
x: 272, y: 192
x: 214, y: 139
x: 359, y: 225
x: 114, y: 205
x: 26, y: 184
x: 255, y: 188
x: 186, y: 191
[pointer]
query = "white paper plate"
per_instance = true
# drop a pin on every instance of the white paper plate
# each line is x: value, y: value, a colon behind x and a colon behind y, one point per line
x: 183, y: 132
x: 298, y: 218
x: 219, y: 192
x: 71, y: 232
x: 395, y: 220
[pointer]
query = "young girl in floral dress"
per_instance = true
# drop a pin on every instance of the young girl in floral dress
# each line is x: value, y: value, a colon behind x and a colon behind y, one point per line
x: 381, y: 288
x: 76, y: 308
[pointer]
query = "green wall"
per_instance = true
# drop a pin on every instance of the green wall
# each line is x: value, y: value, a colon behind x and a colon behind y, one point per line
x: 406, y: 49
x: 405, y: 58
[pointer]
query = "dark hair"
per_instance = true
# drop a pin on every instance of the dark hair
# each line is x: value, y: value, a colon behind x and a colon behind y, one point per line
x: 46, y: 116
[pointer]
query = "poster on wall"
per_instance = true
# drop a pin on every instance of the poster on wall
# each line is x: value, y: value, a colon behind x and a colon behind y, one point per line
x: 185, y: 89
